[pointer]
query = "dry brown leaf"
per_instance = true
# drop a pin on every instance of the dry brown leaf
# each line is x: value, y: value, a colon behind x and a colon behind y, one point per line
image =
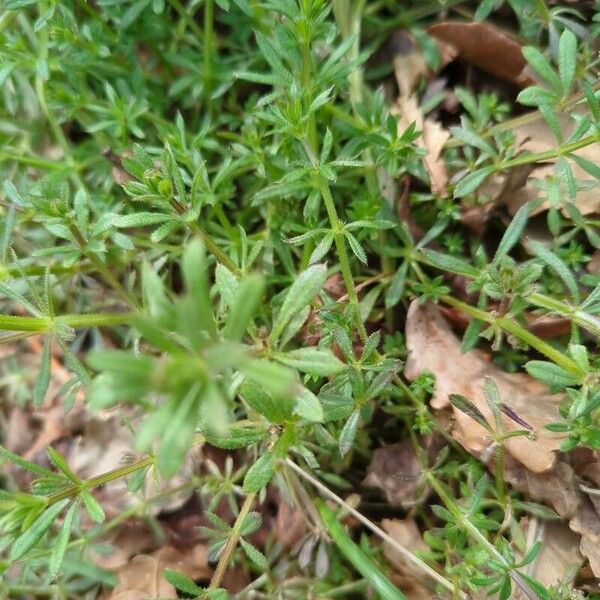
x: 486, y: 47
x: 559, y: 553
x: 537, y: 137
x: 409, y: 68
x: 515, y: 187
x: 407, y: 578
x: 587, y: 523
x: 105, y: 444
x: 556, y: 487
x: 433, y: 139
x: 434, y: 347
x: 144, y: 573
x: 398, y: 472
x: 407, y: 534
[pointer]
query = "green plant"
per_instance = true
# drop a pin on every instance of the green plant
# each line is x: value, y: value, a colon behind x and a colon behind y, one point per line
x: 198, y: 226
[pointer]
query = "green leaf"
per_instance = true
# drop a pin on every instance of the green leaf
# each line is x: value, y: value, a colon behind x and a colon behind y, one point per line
x: 61, y: 542
x: 93, y: 508
x: 322, y: 248
x: 140, y: 219
x: 245, y: 304
x: 551, y: 374
x: 308, y: 406
x: 492, y: 397
x: 33, y: 534
x: 43, y: 378
x: 567, y: 60
x: 396, y: 288
x: 348, y: 433
x: 471, y: 182
x: 17, y: 4
x: 61, y: 464
x: 257, y: 557
x: 587, y: 165
x: 356, y: 248
x: 307, y: 285
x: 276, y: 379
x: 450, y: 263
x: 542, y: 67
x: 182, y: 582
x: 513, y: 233
x: 314, y: 361
x: 277, y: 411
x: 259, y: 474
x: 355, y: 555
x: 557, y: 265
x: 236, y: 437
x: 466, y: 406
x: 25, y: 464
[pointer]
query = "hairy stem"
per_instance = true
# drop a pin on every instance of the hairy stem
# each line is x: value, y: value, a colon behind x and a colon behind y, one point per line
x: 232, y: 542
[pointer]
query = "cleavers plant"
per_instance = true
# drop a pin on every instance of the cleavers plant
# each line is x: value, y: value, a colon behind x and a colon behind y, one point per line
x: 197, y: 223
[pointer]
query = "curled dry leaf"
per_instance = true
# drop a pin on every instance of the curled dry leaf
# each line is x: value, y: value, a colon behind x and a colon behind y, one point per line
x: 486, y: 47
x: 587, y: 523
x: 434, y: 347
x: 409, y: 67
x: 556, y: 488
x: 143, y: 576
x: 559, y: 553
x: 398, y: 472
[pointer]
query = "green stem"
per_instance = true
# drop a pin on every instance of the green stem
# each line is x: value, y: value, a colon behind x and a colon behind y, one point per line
x: 525, y: 159
x: 579, y: 317
x: 103, y: 479
x: 404, y: 552
x: 472, y: 530
x: 184, y: 13
x: 101, y: 267
x: 361, y: 562
x: 340, y: 244
x: 499, y: 475
x: 14, y: 323
x: 519, y: 332
x: 36, y: 161
x: 46, y: 324
x: 232, y: 542
x: 208, y: 44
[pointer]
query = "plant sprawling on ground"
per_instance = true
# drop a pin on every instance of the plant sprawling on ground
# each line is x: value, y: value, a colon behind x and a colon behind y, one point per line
x: 228, y: 233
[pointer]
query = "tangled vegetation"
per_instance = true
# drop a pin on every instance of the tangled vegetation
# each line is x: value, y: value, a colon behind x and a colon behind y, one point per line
x: 246, y: 237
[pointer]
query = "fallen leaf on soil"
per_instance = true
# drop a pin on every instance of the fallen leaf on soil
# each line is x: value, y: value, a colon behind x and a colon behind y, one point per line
x: 559, y: 553
x: 142, y: 577
x: 537, y: 137
x: 556, y: 488
x: 434, y: 347
x: 587, y: 523
x: 433, y: 139
x: 105, y: 444
x: 128, y: 539
x: 409, y: 67
x: 398, y: 472
x: 409, y: 62
x: 486, y: 47
x: 289, y: 525
x: 407, y: 578
x: 515, y: 187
